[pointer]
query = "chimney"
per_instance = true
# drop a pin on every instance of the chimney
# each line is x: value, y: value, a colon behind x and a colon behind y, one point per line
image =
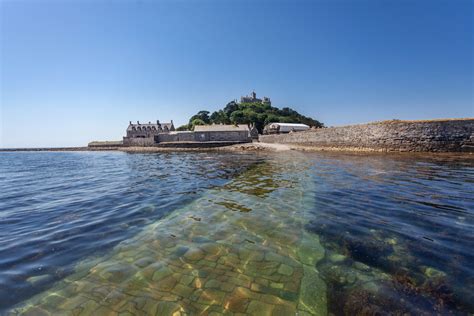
x: 130, y: 123
x: 157, y: 122
x: 138, y: 122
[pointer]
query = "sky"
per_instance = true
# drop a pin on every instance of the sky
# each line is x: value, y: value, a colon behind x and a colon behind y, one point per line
x: 76, y: 71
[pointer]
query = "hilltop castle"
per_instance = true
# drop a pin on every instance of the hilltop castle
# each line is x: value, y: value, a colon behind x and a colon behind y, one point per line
x: 252, y: 98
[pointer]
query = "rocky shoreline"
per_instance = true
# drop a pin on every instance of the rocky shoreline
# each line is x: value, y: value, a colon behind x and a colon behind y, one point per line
x: 247, y: 147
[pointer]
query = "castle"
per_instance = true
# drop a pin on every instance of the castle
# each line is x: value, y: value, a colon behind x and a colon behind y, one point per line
x: 252, y: 98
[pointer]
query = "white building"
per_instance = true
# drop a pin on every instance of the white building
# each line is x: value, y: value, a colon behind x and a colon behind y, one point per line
x: 277, y: 128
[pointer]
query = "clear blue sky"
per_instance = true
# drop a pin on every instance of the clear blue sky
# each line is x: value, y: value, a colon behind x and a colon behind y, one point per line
x: 76, y: 71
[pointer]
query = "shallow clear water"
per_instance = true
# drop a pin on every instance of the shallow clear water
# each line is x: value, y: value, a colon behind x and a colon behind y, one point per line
x: 279, y: 233
x: 59, y: 207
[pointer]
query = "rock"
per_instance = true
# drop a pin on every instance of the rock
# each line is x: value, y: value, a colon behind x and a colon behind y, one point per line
x: 247, y: 255
x: 194, y: 254
x: 313, y: 297
x: 211, y: 248
x: 89, y: 307
x: 117, y: 273
x: 35, y: 311
x: 310, y: 250
x: 166, y: 284
x: 167, y: 308
x: 37, y: 278
x: 257, y: 287
x: 285, y: 270
x: 434, y: 273
x: 351, y: 278
x: 104, y: 310
x: 143, y: 262
x: 238, y: 300
x: 239, y: 282
x: 361, y: 266
x: 161, y: 273
x: 211, y: 297
x: 284, y: 308
x: 186, y: 279
x: 54, y: 300
x: 260, y: 308
x: 213, y: 284
x: 391, y: 241
x: 182, y: 290
x: 337, y: 257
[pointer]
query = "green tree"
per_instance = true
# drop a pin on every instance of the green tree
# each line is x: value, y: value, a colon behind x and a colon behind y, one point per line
x: 219, y: 117
x: 256, y: 113
x: 237, y: 117
x: 272, y: 118
x: 195, y: 122
x: 201, y: 115
x: 183, y: 127
x: 231, y: 107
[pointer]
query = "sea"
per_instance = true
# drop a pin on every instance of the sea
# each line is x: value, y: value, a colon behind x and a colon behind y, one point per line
x: 259, y: 233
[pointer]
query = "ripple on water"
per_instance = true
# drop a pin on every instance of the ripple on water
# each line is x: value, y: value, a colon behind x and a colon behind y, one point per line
x: 306, y: 233
x: 58, y: 208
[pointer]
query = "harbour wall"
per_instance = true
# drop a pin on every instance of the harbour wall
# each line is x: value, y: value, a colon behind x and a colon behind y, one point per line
x: 453, y: 135
x: 189, y: 137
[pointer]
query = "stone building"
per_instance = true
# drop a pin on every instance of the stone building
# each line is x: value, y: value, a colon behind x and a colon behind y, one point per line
x: 222, y: 133
x: 140, y: 134
x: 252, y: 98
x: 154, y: 134
x: 208, y: 133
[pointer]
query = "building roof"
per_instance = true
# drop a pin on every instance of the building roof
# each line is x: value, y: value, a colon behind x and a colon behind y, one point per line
x: 221, y: 128
x: 151, y: 125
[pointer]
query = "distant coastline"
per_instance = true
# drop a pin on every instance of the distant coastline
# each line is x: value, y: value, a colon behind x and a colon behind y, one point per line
x: 84, y: 148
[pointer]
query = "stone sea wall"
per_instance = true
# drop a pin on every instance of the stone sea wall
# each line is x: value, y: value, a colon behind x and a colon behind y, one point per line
x: 453, y: 135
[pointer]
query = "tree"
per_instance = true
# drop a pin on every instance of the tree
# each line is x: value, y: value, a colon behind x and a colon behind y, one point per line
x: 183, y: 127
x: 256, y: 113
x: 272, y: 118
x: 219, y: 117
x: 237, y: 117
x: 231, y: 107
x: 201, y: 115
x: 196, y: 122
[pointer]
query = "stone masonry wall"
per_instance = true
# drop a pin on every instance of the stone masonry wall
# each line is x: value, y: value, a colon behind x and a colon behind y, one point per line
x: 414, y: 136
x: 175, y: 137
x: 141, y: 142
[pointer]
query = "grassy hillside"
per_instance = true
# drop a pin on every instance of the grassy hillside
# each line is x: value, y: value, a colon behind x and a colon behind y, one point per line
x: 259, y: 114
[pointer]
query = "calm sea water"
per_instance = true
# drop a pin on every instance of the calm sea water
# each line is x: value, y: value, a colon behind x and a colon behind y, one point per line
x: 285, y: 233
x: 58, y: 207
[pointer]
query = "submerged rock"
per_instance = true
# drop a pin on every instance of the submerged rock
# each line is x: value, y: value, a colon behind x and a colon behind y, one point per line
x: 312, y: 293
x: 38, y: 278
x: 337, y: 257
x: 310, y: 250
x: 161, y: 273
x: 285, y: 269
x: 194, y: 254
x: 433, y: 273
